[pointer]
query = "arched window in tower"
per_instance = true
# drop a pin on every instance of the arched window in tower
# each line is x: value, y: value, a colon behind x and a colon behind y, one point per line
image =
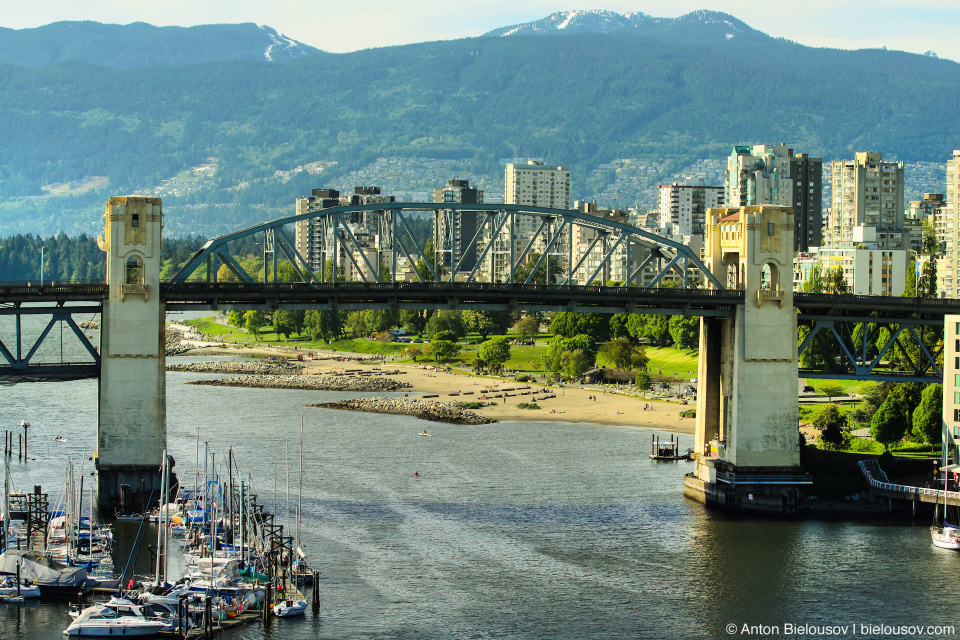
x: 134, y: 270
x: 770, y: 277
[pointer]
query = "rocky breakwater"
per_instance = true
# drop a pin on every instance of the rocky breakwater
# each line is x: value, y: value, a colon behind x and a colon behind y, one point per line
x: 425, y: 409
x: 309, y: 383
x: 282, y: 368
x: 173, y: 338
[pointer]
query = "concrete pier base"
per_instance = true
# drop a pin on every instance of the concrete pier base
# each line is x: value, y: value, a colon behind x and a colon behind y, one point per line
x: 770, y: 490
x: 783, y: 502
x: 129, y: 489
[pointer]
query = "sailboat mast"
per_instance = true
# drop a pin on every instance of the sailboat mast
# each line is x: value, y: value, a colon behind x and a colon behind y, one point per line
x: 79, y: 513
x: 165, y: 514
x: 6, y: 503
x: 300, y: 484
x: 231, y: 515
x: 163, y: 463
x: 286, y: 464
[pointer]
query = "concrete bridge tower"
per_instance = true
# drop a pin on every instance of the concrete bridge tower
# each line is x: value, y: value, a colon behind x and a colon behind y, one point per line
x: 747, y: 441
x: 131, y: 412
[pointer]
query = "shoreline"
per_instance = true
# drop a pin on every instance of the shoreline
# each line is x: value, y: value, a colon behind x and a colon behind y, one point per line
x: 565, y: 404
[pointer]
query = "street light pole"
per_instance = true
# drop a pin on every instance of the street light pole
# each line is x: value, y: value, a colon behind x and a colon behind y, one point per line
x: 41, y: 265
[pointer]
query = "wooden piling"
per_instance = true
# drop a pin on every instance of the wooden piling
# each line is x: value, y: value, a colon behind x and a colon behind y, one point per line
x: 315, y: 595
x: 267, y: 601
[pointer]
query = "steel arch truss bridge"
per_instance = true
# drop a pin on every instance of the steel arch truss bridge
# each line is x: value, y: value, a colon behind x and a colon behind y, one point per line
x: 374, y: 243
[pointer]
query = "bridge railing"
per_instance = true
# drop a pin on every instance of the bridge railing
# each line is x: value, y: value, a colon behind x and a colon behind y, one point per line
x: 910, y: 492
x: 458, y: 287
x: 24, y: 291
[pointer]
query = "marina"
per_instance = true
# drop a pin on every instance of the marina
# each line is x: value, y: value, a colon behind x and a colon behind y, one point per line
x: 236, y: 563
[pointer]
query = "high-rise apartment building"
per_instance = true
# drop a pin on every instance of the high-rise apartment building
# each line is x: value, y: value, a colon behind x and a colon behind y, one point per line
x: 928, y: 211
x: 774, y: 174
x: 536, y: 185
x: 948, y: 266
x: 683, y: 207
x: 866, y: 192
x: 372, y: 231
x: 454, y: 231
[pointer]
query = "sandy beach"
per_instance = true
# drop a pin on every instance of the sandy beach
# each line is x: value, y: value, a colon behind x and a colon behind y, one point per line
x: 571, y: 404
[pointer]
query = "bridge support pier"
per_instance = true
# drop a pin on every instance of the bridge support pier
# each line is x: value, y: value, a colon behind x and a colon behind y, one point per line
x: 131, y: 410
x: 746, y: 443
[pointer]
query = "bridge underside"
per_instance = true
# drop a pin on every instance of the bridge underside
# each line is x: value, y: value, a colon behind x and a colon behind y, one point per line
x: 483, y: 296
x: 22, y: 360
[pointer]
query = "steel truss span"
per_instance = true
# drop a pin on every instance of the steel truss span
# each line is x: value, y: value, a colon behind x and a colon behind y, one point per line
x: 493, y: 253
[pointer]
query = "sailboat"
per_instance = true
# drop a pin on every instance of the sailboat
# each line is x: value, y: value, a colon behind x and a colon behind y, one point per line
x: 301, y: 572
x: 947, y: 535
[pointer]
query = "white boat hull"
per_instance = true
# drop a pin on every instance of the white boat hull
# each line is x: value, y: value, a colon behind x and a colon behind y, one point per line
x: 946, y: 538
x: 25, y: 592
x: 290, y: 608
x: 111, y: 628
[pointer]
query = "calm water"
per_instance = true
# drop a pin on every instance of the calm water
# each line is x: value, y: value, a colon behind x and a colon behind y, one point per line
x: 512, y: 530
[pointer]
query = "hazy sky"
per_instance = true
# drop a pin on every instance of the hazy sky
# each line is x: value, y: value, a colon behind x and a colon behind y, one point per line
x: 910, y: 25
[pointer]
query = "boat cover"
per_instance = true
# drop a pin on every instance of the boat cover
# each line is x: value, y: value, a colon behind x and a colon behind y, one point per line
x: 43, y: 570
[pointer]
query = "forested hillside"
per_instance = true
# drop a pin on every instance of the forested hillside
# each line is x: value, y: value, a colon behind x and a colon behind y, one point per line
x: 581, y: 100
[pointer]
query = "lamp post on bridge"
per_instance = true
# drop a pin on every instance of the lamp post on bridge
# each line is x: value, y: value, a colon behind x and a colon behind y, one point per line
x: 41, y: 264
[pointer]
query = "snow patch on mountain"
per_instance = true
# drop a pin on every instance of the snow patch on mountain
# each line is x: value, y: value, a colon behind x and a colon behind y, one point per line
x: 698, y: 24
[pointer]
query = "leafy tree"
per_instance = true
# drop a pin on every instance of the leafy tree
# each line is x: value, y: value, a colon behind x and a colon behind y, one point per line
x: 356, y: 324
x: 323, y: 324
x: 637, y: 327
x: 928, y: 416
x: 814, y: 281
x: 595, y: 325
x: 557, y: 359
x: 380, y: 319
x: 658, y: 329
x: 415, y: 351
x: 253, y: 321
x: 494, y: 352
x: 832, y: 427
x: 685, y: 331
x: 284, y: 323
x: 528, y: 328
x: 643, y: 380
x: 447, y: 320
x: 835, y: 282
x: 540, y: 275
x: 444, y: 350
x: 487, y: 322
x: 618, y: 325
x: 831, y: 391
x: 414, y: 320
x: 889, y: 423
x: 930, y: 243
x: 575, y: 363
x: 224, y: 274
x: 624, y: 355
x: 235, y: 319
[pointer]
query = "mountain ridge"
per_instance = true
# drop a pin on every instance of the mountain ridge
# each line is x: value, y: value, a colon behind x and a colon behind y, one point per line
x: 140, y: 44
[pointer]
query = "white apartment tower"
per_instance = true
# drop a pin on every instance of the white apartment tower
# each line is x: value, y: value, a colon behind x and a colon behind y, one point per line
x: 866, y: 192
x: 683, y: 207
x: 948, y: 265
x: 536, y: 185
